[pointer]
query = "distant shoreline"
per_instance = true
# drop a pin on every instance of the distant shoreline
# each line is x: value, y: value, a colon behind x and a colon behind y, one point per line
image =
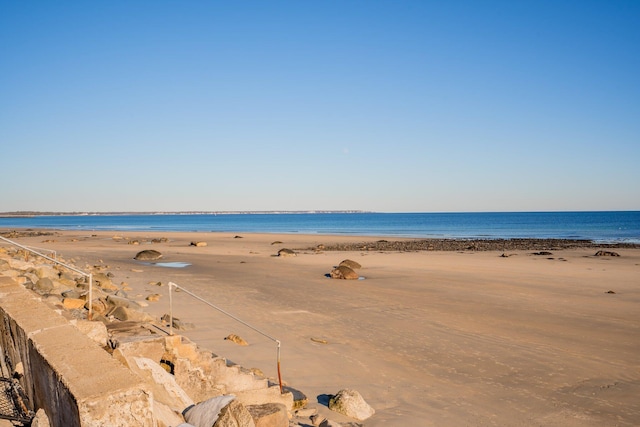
x: 408, y: 244
x: 30, y: 214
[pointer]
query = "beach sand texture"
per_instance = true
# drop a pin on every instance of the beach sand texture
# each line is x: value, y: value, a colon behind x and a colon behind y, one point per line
x: 428, y: 338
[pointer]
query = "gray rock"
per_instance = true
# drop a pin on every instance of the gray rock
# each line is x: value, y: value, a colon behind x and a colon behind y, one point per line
x: 44, y: 285
x: 206, y: 413
x: 286, y: 253
x: 148, y: 255
x: 350, y: 403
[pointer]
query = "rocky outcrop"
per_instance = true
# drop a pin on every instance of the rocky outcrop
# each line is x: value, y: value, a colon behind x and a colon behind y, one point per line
x: 172, y: 372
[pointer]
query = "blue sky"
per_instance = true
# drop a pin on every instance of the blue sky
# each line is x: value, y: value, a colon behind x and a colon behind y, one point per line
x: 393, y: 106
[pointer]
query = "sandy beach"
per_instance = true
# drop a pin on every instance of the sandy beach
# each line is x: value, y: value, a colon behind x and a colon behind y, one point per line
x: 429, y: 338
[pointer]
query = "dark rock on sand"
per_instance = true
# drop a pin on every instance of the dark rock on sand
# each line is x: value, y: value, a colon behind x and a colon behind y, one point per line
x: 148, y: 255
x: 286, y: 253
x: 472, y: 245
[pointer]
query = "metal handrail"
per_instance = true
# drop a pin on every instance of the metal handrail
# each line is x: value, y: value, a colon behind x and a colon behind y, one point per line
x: 74, y: 269
x: 278, y: 344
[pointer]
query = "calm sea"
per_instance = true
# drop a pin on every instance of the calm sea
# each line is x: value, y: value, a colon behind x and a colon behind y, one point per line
x: 619, y: 226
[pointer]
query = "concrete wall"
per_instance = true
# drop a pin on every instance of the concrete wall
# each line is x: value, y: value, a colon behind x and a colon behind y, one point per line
x: 68, y: 375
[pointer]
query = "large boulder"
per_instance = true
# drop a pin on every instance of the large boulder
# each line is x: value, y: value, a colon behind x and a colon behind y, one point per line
x: 350, y: 403
x: 206, y: 413
x: 286, y: 253
x: 351, y: 264
x: 148, y: 255
x: 344, y: 272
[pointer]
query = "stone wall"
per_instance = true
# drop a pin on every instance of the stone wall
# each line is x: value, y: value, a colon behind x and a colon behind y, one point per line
x: 66, y: 373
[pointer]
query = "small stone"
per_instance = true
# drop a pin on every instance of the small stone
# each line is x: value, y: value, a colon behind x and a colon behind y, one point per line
x: 236, y: 339
x: 606, y: 253
x: 153, y: 297
x: 198, y: 244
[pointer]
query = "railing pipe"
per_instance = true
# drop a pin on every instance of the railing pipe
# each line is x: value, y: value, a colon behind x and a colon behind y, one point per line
x: 89, y: 275
x: 173, y: 285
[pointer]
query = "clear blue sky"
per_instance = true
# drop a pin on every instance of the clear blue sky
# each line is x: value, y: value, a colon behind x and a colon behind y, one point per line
x: 295, y: 105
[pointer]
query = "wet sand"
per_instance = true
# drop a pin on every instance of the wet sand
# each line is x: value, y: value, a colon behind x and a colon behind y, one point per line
x: 429, y: 338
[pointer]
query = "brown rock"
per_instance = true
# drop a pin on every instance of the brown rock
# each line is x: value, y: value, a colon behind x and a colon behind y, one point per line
x: 606, y: 253
x: 199, y: 244
x: 153, y: 297
x: 344, y: 272
x: 236, y: 339
x: 286, y: 253
x: 73, y: 303
x: 351, y: 264
x: 235, y: 414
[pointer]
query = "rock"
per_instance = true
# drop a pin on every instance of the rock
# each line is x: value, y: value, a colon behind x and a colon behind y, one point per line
x: 73, y: 303
x: 97, y: 331
x: 350, y: 403
x: 148, y: 255
x: 351, y: 264
x: 542, y: 253
x: 41, y: 419
x: 286, y: 253
x: 164, y: 386
x: 206, y: 413
x: 153, y: 297
x: 317, y: 419
x: 98, y: 306
x: 44, y: 285
x: 269, y: 415
x: 126, y: 314
x: 165, y: 416
x: 177, y: 323
x: 71, y: 294
x: 329, y: 423
x: 606, y: 253
x: 343, y: 272
x: 102, y: 280
x: 43, y: 271
x: 198, y: 244
x: 236, y: 339
x: 276, y: 242
x: 235, y: 414
x: 116, y: 301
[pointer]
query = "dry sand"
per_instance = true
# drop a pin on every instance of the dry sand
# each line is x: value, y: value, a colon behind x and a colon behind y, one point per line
x: 428, y: 338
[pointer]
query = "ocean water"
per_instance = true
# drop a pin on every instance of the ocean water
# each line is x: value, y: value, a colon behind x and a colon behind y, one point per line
x: 617, y: 226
